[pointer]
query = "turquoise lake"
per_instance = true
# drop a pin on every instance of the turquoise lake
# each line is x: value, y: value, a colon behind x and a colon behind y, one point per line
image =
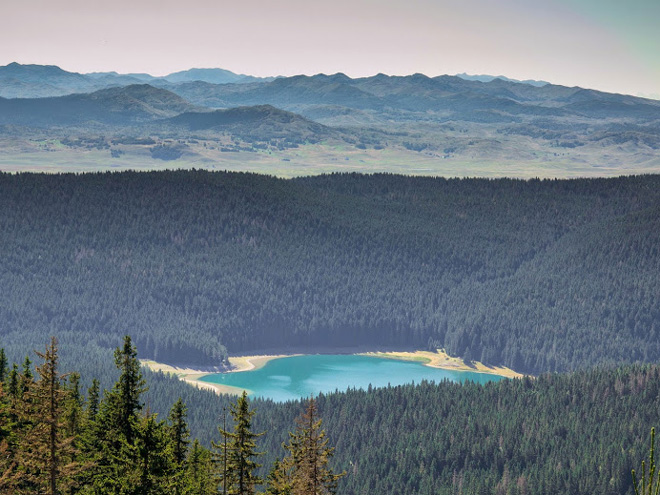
x: 291, y: 378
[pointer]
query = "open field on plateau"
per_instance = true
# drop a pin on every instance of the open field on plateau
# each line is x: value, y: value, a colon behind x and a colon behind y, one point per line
x: 51, y: 156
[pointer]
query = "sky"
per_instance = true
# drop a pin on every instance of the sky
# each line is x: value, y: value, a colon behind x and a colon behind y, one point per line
x: 601, y: 44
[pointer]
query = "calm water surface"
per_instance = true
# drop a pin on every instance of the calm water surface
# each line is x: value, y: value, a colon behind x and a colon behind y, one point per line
x: 294, y: 377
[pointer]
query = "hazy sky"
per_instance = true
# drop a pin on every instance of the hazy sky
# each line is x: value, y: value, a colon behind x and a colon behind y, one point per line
x: 603, y: 44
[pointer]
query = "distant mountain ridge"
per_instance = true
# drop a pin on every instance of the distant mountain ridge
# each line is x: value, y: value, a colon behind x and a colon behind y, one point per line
x: 470, y: 98
x: 142, y: 110
x: 261, y: 122
x: 123, y: 105
x: 214, y: 76
x: 419, y: 97
x: 430, y: 121
x: 38, y: 81
x: 30, y: 81
x: 487, y: 78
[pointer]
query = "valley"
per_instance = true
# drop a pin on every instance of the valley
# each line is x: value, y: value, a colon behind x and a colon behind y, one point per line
x: 462, y: 269
x: 201, y: 265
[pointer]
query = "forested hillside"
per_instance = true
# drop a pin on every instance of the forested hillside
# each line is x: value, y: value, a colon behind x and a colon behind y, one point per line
x: 580, y: 433
x: 56, y: 439
x: 577, y: 434
x: 535, y: 275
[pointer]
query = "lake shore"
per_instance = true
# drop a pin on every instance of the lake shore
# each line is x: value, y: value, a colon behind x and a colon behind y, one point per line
x: 439, y: 359
x: 192, y: 375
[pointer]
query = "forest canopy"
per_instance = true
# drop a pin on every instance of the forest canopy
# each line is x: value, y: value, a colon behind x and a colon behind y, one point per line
x: 578, y: 433
x: 538, y: 275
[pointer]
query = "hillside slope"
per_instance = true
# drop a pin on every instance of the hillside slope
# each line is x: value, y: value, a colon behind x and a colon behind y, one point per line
x: 535, y: 275
x: 128, y: 105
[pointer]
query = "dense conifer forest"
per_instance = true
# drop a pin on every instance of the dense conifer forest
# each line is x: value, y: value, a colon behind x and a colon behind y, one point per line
x: 538, y: 275
x: 577, y: 433
x: 54, y: 439
x: 541, y: 276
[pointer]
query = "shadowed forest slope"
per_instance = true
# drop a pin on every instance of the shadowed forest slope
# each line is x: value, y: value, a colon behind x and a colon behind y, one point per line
x: 534, y: 275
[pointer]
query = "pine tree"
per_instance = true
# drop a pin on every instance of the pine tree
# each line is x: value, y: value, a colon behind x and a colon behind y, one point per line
x: 179, y: 435
x: 47, y: 455
x: 179, y: 430
x: 650, y: 485
x: 74, y: 405
x: 3, y: 366
x: 26, y: 377
x: 309, y: 455
x: 126, y: 392
x: 7, y: 461
x: 154, y: 458
x: 12, y: 382
x: 93, y: 397
x: 116, y: 427
x: 5, y: 425
x: 278, y: 481
x: 199, y: 472
x: 238, y: 474
x: 13, y: 399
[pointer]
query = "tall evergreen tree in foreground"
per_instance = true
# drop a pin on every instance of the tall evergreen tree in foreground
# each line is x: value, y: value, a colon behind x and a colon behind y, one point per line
x: 648, y: 485
x: 200, y: 479
x: 125, y: 396
x: 52, y: 442
x: 93, y: 399
x: 308, y: 457
x: 179, y: 435
x: 155, y: 463
x: 116, y: 427
x: 278, y: 481
x: 47, y: 461
x: 237, y: 467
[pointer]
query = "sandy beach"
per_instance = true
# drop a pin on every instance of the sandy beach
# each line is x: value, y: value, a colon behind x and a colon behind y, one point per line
x: 192, y: 375
x: 439, y: 359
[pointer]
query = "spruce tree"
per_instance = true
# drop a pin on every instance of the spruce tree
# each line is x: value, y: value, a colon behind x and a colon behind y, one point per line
x: 199, y: 472
x: 154, y: 460
x: 239, y: 477
x: 179, y: 430
x: 116, y: 427
x: 7, y: 461
x: 26, y: 376
x: 74, y: 405
x: 47, y: 456
x: 648, y: 485
x: 93, y: 398
x: 179, y: 435
x: 3, y: 366
x: 12, y: 382
x: 278, y: 481
x: 126, y: 392
x: 309, y: 455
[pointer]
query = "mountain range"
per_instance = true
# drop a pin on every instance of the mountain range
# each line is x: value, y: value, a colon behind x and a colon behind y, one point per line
x: 487, y: 78
x: 38, y: 81
x: 419, y: 118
